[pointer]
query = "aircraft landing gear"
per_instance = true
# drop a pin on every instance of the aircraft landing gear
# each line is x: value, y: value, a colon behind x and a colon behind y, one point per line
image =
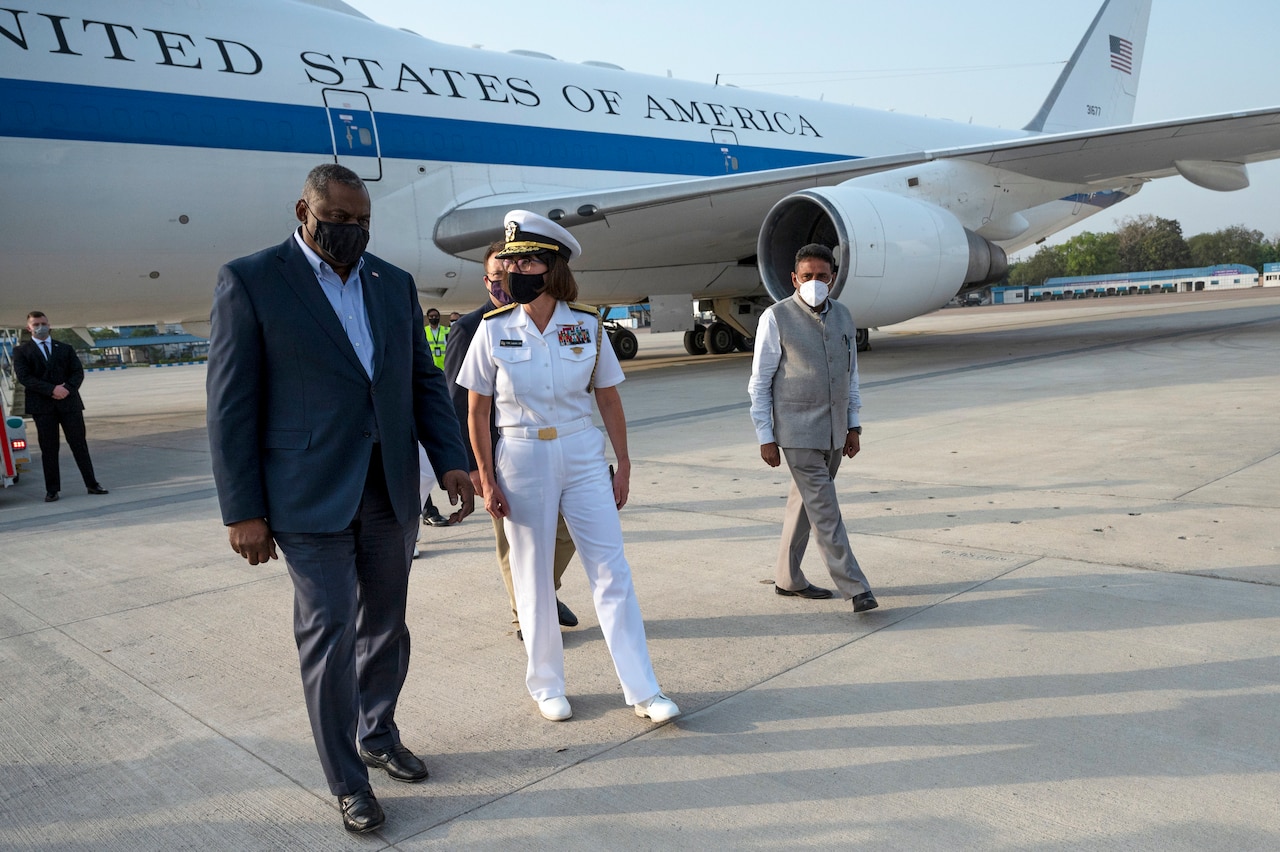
x: 862, y: 337
x: 719, y: 338
x: 695, y: 340
x: 624, y: 342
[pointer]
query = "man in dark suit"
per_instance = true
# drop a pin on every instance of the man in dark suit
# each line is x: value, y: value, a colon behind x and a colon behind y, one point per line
x: 460, y: 334
x: 52, y: 374
x: 320, y: 387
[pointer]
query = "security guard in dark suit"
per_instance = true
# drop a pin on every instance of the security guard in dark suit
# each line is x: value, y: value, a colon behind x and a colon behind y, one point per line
x: 52, y: 374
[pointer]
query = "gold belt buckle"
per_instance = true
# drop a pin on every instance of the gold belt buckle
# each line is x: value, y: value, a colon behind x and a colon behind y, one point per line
x: 547, y: 433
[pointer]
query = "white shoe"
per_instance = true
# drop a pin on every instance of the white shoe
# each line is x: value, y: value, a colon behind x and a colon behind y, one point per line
x: 659, y: 708
x: 555, y: 709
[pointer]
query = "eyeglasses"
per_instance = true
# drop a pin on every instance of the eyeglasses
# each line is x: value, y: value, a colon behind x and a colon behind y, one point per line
x: 524, y: 263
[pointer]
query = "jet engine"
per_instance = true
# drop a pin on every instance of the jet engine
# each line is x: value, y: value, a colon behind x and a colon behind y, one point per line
x: 897, y: 257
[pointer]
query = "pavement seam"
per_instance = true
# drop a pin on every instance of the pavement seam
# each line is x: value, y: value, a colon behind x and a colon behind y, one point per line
x: 905, y: 615
x: 1227, y: 475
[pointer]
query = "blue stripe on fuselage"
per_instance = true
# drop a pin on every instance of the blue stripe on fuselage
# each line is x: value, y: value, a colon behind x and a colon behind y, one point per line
x: 38, y: 110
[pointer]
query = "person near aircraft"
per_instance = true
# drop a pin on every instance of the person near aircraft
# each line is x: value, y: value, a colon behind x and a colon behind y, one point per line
x: 320, y: 383
x: 538, y: 361
x: 51, y: 373
x: 437, y: 337
x: 805, y: 405
x: 460, y: 335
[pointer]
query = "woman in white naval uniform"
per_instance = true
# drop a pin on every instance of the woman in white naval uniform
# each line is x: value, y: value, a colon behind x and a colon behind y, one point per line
x: 539, y: 360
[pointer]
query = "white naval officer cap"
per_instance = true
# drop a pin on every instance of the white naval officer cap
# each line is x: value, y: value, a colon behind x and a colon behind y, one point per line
x: 529, y: 233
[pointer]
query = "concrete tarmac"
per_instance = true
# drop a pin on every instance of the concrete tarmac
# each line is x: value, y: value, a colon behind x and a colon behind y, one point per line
x: 1068, y: 511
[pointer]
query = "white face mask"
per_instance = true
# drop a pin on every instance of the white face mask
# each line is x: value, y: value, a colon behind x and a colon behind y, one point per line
x: 813, y: 292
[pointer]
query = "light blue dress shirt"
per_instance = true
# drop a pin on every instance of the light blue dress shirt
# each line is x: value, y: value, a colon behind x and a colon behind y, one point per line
x: 347, y: 299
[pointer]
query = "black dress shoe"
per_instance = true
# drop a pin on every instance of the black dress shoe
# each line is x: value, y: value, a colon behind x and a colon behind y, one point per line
x: 50, y: 496
x: 567, y: 618
x: 95, y: 488
x: 812, y: 592
x: 400, y: 763
x: 361, y: 812
x: 864, y: 602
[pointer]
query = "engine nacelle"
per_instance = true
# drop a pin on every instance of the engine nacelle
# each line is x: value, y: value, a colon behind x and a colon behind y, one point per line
x: 898, y: 258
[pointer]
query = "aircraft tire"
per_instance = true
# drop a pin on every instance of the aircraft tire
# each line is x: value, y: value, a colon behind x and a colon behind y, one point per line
x: 743, y: 344
x: 719, y: 338
x: 694, y: 341
x: 625, y: 345
x: 862, y: 337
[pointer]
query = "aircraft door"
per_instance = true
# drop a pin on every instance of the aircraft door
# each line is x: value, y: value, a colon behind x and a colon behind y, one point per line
x: 354, y: 132
x: 727, y: 140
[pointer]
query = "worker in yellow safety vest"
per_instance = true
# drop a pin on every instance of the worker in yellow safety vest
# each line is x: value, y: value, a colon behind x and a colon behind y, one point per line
x: 436, y: 336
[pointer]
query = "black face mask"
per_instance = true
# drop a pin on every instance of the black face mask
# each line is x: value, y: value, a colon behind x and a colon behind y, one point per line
x: 524, y: 287
x: 342, y: 242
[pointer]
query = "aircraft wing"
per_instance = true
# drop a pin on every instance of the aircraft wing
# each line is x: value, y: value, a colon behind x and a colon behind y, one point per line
x: 700, y: 220
x: 717, y: 219
x: 1136, y: 151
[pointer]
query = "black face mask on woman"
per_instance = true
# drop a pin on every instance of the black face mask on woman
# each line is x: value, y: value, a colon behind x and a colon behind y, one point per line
x: 342, y: 242
x: 524, y: 287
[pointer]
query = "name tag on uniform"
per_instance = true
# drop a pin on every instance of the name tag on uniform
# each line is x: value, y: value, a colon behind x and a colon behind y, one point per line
x: 574, y: 335
x: 511, y: 343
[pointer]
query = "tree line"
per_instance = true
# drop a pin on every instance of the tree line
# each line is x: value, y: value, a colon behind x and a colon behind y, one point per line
x: 1141, y: 244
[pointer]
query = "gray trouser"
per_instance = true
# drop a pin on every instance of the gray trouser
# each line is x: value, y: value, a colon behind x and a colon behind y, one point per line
x: 812, y: 504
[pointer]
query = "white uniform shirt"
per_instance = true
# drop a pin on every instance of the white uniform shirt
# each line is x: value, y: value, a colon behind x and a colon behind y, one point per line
x: 539, y: 378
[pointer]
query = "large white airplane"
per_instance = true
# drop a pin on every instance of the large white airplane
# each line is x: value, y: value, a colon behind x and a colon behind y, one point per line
x: 145, y: 142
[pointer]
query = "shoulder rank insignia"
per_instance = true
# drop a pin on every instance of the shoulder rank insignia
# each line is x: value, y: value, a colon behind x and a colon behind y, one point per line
x: 502, y: 310
x: 586, y: 309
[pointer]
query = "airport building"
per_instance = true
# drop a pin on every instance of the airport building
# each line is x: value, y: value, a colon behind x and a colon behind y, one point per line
x: 1271, y: 275
x: 1209, y: 278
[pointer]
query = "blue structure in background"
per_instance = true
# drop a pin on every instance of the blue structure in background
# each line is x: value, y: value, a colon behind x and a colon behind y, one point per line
x: 1220, y: 277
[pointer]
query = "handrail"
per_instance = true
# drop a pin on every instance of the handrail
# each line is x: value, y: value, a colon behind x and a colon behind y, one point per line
x: 9, y: 339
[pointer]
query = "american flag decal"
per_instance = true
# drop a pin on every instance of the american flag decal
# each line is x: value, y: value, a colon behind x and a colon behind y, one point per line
x: 1122, y: 54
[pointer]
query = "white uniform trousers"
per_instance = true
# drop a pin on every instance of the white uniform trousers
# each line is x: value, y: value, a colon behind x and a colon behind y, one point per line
x: 812, y: 504
x: 569, y: 475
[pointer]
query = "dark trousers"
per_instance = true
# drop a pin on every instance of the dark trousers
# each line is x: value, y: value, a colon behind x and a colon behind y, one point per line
x: 71, y: 423
x: 350, y: 590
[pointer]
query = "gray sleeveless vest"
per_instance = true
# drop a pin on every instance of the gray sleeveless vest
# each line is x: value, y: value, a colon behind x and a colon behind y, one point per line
x: 811, y: 387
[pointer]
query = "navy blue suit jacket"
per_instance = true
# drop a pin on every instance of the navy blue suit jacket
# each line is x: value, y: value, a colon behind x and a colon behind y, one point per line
x: 455, y: 355
x: 292, y: 414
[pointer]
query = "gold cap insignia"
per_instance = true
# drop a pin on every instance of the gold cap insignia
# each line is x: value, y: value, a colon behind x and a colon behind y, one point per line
x: 512, y: 227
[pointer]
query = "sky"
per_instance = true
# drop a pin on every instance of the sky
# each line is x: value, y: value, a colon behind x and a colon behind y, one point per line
x: 991, y: 63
